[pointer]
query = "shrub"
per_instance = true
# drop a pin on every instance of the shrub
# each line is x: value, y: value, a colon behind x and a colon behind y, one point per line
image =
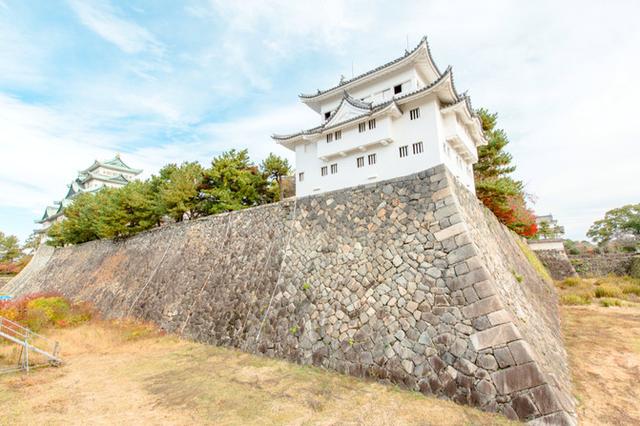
x: 575, y: 299
x: 634, y: 270
x: 42, y: 310
x: 610, y: 302
x: 607, y: 290
x: 570, y: 282
x: 631, y: 289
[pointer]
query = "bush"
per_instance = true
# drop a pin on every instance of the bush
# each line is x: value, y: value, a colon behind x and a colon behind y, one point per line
x: 631, y: 289
x: 37, y: 311
x: 634, y: 270
x: 607, y: 290
x: 610, y: 302
x: 575, y: 299
x: 570, y: 282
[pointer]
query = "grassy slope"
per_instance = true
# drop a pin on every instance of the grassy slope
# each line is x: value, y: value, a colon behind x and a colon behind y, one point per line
x: 112, y: 377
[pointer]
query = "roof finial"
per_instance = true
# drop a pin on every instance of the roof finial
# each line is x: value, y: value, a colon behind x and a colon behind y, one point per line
x: 118, y: 155
x: 342, y: 78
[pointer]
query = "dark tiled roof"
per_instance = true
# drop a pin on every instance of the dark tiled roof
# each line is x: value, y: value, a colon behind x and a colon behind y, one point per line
x: 372, y: 109
x: 375, y: 70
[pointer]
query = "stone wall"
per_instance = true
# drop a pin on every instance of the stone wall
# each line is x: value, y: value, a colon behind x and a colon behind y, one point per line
x: 598, y: 265
x: 557, y: 263
x: 409, y: 281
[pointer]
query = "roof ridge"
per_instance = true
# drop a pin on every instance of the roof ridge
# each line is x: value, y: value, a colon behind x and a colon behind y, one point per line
x: 423, y: 41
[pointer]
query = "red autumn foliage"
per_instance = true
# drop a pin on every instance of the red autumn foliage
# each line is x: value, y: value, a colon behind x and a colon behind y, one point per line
x: 515, y: 215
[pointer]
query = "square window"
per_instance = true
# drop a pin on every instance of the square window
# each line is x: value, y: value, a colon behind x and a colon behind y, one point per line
x: 372, y: 159
x: 417, y: 148
x: 334, y: 168
x: 397, y: 89
x: 338, y: 135
x: 404, y: 151
x: 362, y: 127
x: 414, y: 114
x: 360, y: 162
x: 300, y: 176
x: 327, y: 115
x: 372, y: 123
x: 323, y: 171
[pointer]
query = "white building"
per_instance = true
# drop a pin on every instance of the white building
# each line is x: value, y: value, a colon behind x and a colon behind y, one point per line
x: 400, y: 118
x: 112, y: 173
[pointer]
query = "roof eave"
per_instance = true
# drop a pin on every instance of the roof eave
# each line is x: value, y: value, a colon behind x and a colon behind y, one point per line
x: 313, y: 100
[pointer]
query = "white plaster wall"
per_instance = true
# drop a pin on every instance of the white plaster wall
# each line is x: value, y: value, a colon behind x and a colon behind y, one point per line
x: 546, y: 245
x: 402, y: 130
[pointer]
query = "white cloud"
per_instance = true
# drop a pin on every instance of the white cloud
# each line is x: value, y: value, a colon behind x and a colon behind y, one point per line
x: 102, y: 18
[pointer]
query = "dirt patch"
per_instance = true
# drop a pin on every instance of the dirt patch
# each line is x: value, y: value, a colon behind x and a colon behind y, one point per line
x: 604, y: 352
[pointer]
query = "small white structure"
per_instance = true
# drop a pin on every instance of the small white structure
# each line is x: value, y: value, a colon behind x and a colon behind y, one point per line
x: 400, y: 118
x: 112, y: 173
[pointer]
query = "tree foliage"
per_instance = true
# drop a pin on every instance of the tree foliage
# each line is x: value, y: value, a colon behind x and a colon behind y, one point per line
x: 621, y: 224
x: 276, y: 168
x: 502, y: 194
x: 177, y: 193
x: 10, y: 250
x: 233, y: 183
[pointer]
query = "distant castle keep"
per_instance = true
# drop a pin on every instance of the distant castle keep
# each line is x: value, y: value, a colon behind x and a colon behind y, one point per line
x: 400, y: 118
x: 112, y: 173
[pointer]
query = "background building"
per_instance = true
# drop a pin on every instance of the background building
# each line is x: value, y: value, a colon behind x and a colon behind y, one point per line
x: 400, y: 118
x: 112, y: 173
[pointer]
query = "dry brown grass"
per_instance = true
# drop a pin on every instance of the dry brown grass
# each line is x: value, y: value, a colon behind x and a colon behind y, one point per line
x: 604, y: 352
x: 128, y: 374
x: 604, y: 291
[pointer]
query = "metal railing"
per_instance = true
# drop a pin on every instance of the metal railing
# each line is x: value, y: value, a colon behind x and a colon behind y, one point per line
x: 45, y: 350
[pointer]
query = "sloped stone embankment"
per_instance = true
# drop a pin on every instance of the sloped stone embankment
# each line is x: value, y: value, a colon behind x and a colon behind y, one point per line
x: 408, y: 280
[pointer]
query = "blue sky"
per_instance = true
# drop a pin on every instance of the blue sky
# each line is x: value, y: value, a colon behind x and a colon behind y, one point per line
x: 165, y: 81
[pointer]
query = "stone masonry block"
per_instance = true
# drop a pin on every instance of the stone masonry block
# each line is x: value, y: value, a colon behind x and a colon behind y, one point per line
x: 461, y: 253
x: 546, y: 399
x: 451, y: 231
x: 499, y: 317
x: 517, y: 378
x: 521, y: 351
x: 468, y: 279
x: 441, y: 193
x: 484, y: 289
x: 495, y: 336
x: 482, y: 307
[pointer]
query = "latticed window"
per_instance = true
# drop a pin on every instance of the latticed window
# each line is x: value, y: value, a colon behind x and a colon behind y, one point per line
x: 404, y: 151
x: 338, y: 134
x: 372, y: 159
x: 334, y: 168
x: 362, y: 127
x: 372, y: 124
x: 417, y: 148
x: 329, y: 137
x: 360, y: 162
x: 323, y: 170
x: 300, y: 176
x: 414, y: 114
